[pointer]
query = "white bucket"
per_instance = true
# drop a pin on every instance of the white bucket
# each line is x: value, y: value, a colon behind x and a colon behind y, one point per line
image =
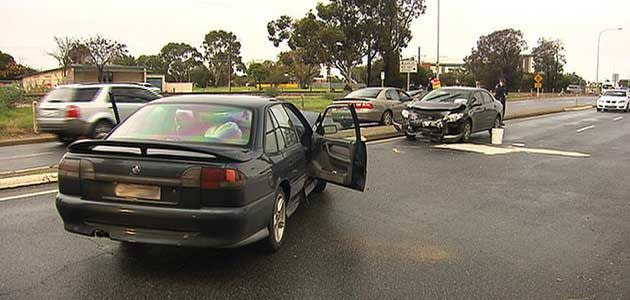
x: 497, y: 136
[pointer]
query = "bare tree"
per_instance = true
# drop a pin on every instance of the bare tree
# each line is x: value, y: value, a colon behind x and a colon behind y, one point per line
x: 63, y: 52
x: 102, y: 51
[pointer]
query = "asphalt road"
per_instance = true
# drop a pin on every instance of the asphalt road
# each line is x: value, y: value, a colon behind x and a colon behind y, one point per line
x: 433, y: 224
x: 45, y: 154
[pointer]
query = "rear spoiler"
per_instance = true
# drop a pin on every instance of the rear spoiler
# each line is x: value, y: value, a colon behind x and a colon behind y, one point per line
x: 87, y: 146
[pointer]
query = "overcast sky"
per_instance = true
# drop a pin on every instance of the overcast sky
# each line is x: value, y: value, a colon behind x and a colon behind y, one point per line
x: 28, y: 26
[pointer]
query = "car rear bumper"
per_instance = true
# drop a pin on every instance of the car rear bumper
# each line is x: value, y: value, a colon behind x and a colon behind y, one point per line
x: 67, y: 127
x: 219, y: 227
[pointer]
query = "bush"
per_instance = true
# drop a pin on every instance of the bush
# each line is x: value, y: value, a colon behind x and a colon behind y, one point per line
x: 271, y: 92
x: 10, y: 95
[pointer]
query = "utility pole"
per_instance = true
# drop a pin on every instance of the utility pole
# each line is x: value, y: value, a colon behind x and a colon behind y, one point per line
x: 437, y: 61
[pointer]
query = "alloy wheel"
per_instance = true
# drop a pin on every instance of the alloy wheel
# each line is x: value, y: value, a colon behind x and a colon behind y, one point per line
x: 279, y: 218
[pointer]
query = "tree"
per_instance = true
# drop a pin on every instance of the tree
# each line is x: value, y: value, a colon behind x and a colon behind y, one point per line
x: 222, y: 51
x: 179, y: 59
x: 5, y: 60
x: 125, y: 60
x: 79, y: 54
x: 153, y: 63
x: 10, y: 69
x: 497, y: 56
x: 393, y: 24
x: 549, y: 59
x: 258, y: 72
x: 102, y: 51
x: 62, y: 52
x: 571, y: 78
x: 299, y: 66
x: 200, y: 76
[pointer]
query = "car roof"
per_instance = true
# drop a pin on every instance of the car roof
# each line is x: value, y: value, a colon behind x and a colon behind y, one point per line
x: 227, y: 100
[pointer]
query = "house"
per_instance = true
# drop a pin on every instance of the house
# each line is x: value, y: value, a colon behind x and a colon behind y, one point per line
x: 80, y: 73
x: 446, y: 65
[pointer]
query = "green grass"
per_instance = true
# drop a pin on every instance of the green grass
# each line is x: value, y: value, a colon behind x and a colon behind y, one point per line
x: 236, y: 89
x: 14, y: 122
x: 311, y: 103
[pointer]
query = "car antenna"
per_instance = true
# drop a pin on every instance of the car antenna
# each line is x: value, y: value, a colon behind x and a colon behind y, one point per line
x: 115, y: 107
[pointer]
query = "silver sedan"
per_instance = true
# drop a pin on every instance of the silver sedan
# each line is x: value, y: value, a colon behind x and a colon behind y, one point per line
x: 378, y: 105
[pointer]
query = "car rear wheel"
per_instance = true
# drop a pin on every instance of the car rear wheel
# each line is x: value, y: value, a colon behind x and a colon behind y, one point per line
x: 387, y: 119
x: 410, y: 137
x: 101, y: 129
x: 466, y: 131
x: 277, y: 223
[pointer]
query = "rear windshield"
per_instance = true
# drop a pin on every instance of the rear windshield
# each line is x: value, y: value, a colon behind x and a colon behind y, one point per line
x: 446, y: 95
x: 364, y: 93
x: 71, y: 95
x: 615, y: 93
x: 193, y: 123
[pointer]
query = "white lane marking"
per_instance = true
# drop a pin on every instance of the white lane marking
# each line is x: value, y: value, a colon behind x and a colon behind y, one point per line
x: 27, y: 195
x: 25, y: 156
x: 585, y: 128
x: 618, y: 118
x: 491, y: 150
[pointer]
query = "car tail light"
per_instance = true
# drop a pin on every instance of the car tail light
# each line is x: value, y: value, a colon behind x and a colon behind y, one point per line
x: 364, y: 105
x: 72, y: 111
x: 215, y: 178
x: 87, y: 170
x: 69, y: 168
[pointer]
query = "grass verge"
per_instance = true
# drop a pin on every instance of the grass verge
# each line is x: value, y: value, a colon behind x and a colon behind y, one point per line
x: 16, y: 122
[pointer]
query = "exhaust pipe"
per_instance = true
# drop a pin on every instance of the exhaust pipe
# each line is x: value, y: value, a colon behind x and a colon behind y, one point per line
x: 101, y: 234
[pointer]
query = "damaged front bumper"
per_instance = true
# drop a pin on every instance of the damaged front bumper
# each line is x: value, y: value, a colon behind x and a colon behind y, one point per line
x: 438, y: 130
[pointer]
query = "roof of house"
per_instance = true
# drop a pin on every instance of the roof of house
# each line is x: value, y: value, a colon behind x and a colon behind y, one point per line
x: 88, y: 67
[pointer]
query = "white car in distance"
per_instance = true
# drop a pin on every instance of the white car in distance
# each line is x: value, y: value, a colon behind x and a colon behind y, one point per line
x: 613, y: 100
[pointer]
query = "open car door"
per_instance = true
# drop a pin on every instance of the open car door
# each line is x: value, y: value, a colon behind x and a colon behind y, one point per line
x: 339, y: 155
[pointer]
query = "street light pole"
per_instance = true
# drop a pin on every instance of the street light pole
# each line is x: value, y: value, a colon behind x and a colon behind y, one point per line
x: 437, y: 61
x: 599, y: 39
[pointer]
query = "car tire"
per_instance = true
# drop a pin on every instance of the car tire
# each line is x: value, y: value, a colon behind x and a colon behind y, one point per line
x: 100, y: 129
x: 410, y: 137
x: 466, y: 132
x: 496, y: 124
x: 627, y: 108
x: 387, y: 119
x: 599, y: 109
x: 320, y: 186
x: 277, y: 224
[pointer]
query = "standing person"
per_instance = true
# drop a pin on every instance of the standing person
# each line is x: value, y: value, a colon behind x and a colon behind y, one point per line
x: 430, y: 85
x: 501, y: 92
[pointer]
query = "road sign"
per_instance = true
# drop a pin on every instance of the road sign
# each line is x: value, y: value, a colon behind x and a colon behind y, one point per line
x: 538, y: 78
x: 408, y: 66
x: 538, y: 85
x: 382, y: 75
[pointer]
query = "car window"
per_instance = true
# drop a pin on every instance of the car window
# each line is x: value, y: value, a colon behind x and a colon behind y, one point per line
x: 189, y: 123
x: 402, y: 94
x: 476, y: 98
x: 71, y: 95
x: 297, y: 122
x: 392, y: 95
x: 487, y: 99
x: 286, y: 126
x: 271, y: 142
x: 125, y: 95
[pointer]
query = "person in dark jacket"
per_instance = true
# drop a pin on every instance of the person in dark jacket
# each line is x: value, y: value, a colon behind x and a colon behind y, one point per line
x: 500, y: 93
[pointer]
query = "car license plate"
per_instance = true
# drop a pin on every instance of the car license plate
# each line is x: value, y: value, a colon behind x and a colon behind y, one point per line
x: 137, y: 191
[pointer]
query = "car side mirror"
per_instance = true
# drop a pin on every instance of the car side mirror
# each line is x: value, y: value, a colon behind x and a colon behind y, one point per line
x: 330, y: 129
